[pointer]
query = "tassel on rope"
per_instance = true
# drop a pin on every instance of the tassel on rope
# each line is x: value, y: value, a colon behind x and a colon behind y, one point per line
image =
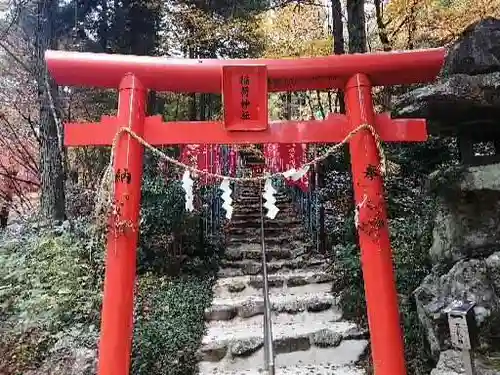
x: 226, y: 197
x: 106, y: 190
x: 187, y: 185
x: 296, y: 174
x: 268, y: 195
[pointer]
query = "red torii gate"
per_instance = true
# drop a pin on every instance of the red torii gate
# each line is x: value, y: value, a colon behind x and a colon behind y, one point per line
x: 245, y: 85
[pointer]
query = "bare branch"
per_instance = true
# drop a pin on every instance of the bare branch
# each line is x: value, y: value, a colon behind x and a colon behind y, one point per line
x: 3, y: 45
x: 15, y: 178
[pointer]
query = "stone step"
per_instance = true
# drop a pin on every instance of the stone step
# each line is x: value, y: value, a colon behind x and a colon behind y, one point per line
x: 254, y: 323
x: 251, y: 267
x: 250, y: 250
x: 255, y: 199
x: 300, y: 369
x: 256, y: 190
x: 256, y: 202
x: 303, y: 299
x: 239, y: 286
x: 244, y: 340
x: 254, y: 222
x: 246, y: 213
x: 254, y: 252
x: 271, y: 238
x: 271, y: 233
x: 310, y: 342
x: 256, y: 230
x: 255, y: 207
x: 222, y: 292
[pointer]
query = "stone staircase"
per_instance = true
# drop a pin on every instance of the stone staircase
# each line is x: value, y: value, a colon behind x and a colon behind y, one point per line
x: 308, y: 333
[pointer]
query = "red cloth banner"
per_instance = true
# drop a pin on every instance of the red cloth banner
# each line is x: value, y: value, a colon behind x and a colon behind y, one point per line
x: 209, y: 161
x: 233, y: 160
x: 209, y: 158
x: 272, y: 157
x: 301, y: 158
x: 189, y: 155
x: 282, y: 157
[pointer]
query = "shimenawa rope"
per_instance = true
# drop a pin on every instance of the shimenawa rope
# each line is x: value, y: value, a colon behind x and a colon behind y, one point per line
x: 107, y: 186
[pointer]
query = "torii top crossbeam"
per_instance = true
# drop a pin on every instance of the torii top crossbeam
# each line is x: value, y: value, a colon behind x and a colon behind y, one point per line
x: 196, y: 75
x: 215, y: 76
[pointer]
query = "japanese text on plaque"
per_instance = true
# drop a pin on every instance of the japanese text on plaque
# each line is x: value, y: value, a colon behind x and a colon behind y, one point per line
x: 245, y: 103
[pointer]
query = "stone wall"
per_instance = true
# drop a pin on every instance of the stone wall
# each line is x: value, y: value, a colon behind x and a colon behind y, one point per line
x: 466, y: 258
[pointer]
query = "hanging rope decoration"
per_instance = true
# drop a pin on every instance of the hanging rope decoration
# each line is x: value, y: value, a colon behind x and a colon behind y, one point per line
x: 187, y: 185
x: 226, y: 198
x: 268, y: 195
x: 107, y: 184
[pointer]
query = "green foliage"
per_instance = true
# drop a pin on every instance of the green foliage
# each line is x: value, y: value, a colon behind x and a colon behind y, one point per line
x: 445, y: 183
x: 51, y: 288
x: 410, y: 211
x: 410, y: 241
x: 169, y: 324
x: 295, y: 31
x: 50, y: 284
x: 423, y: 158
x: 205, y: 30
x: 47, y: 283
x: 178, y: 266
x: 171, y: 239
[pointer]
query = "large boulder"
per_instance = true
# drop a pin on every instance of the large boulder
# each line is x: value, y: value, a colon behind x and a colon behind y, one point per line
x: 467, y: 280
x: 465, y: 253
x: 476, y: 51
x: 468, y: 92
x: 467, y: 222
x: 455, y: 104
x: 450, y: 363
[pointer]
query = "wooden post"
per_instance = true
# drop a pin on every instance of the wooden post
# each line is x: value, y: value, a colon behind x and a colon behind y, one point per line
x: 118, y: 304
x: 376, y: 259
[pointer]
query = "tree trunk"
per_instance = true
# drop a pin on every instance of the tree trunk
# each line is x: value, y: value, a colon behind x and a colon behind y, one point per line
x: 357, y: 44
x: 382, y: 30
x: 385, y: 96
x: 338, y: 49
x: 338, y: 28
x: 338, y: 42
x: 356, y: 26
x: 52, y: 200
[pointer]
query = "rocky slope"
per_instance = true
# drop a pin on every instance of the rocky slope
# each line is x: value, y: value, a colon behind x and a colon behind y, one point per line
x: 308, y: 333
x: 466, y: 257
x: 464, y: 103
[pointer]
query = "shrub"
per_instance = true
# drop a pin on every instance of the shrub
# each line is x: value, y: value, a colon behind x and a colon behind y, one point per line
x: 51, y: 293
x: 80, y: 201
x: 410, y: 241
x: 171, y: 239
x: 178, y: 264
x: 169, y: 324
x: 410, y: 213
x: 48, y: 287
x: 48, y: 283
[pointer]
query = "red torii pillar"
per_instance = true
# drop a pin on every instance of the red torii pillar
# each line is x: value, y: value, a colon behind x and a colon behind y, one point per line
x: 355, y: 74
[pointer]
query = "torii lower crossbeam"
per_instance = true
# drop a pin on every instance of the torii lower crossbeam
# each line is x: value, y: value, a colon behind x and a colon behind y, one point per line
x: 156, y: 132
x: 355, y: 74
